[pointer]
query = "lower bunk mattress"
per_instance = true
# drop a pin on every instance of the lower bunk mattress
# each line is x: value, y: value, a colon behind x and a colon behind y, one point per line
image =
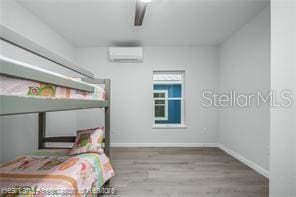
x: 55, y: 173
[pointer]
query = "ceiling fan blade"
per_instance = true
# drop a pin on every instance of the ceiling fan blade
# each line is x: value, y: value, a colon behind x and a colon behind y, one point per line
x: 140, y: 12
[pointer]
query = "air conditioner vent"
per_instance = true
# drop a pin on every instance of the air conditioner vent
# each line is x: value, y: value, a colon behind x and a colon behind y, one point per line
x: 126, y: 54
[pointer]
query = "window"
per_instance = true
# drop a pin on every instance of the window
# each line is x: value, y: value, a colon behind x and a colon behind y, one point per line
x: 168, y: 101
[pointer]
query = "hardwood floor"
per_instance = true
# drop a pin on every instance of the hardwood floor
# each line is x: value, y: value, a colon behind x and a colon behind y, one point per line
x: 170, y: 172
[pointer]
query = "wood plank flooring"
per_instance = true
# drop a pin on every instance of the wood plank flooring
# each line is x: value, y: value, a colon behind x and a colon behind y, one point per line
x: 173, y: 172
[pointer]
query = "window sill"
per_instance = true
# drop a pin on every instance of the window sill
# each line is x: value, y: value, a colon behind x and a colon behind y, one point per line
x: 169, y: 126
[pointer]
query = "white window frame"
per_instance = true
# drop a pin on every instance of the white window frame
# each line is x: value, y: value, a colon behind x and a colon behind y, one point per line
x: 166, y: 105
x: 182, y: 123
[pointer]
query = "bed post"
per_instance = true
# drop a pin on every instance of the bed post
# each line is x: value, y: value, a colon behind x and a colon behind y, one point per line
x: 41, y: 128
x: 107, y: 122
x: 107, y: 118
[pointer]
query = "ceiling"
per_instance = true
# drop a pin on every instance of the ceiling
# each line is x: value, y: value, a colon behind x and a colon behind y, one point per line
x: 88, y: 23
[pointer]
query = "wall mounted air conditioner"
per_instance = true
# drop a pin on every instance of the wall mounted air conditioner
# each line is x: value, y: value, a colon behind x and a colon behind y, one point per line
x: 126, y: 54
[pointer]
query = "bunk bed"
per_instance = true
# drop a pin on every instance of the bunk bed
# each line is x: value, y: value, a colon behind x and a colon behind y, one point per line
x: 83, y: 93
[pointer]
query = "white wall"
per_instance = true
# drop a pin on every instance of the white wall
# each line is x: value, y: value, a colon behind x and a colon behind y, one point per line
x: 131, y: 97
x: 20, y: 20
x: 245, y: 67
x: 283, y: 75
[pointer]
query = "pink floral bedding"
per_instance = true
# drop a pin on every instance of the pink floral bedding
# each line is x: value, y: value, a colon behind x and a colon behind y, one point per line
x: 55, y: 174
x: 22, y: 87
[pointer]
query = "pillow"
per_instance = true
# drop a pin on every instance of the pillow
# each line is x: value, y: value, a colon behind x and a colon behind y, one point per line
x: 88, y: 141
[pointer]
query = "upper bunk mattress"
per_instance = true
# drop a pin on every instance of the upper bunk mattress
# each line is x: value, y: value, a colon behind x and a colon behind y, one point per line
x: 22, y: 87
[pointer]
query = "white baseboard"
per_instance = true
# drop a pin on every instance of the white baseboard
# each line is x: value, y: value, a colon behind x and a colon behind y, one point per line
x: 244, y: 160
x: 164, y: 145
